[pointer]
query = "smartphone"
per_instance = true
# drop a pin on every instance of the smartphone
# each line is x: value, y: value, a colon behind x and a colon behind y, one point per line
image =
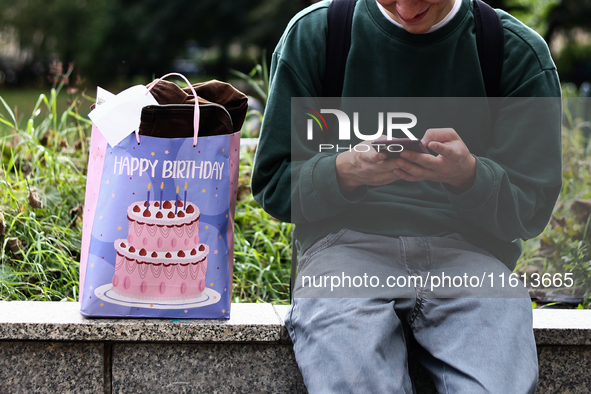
x: 395, y: 146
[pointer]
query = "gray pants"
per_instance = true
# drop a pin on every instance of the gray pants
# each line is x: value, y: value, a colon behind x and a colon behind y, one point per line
x: 473, y: 330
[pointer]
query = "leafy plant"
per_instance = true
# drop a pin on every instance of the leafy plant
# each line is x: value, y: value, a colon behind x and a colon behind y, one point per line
x: 565, y: 245
x: 262, y: 244
x: 258, y: 80
x: 533, y: 13
x: 42, y: 177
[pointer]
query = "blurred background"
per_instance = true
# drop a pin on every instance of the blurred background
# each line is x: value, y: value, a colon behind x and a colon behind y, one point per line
x: 117, y: 43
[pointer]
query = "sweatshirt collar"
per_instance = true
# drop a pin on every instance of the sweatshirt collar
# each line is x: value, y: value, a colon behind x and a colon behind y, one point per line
x: 440, y: 30
x: 436, y: 26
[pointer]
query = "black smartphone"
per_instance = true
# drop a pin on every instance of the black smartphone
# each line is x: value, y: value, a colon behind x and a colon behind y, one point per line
x: 395, y: 146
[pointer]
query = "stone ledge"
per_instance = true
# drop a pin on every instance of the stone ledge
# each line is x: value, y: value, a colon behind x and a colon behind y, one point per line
x: 44, y: 346
x: 564, y: 327
x: 61, y: 321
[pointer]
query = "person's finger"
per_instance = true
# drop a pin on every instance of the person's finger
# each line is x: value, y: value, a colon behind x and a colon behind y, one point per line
x: 376, y: 157
x: 445, y: 150
x: 422, y: 159
x: 416, y: 171
x: 370, y: 154
x: 405, y: 176
x: 439, y: 135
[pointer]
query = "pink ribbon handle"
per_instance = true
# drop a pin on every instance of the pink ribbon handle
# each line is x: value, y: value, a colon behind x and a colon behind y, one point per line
x: 196, y: 112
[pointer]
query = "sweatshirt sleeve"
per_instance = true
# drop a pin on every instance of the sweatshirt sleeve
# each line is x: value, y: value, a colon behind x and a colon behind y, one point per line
x: 519, y: 178
x: 291, y: 180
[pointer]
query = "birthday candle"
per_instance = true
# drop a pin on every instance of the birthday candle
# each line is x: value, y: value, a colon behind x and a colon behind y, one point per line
x: 148, y: 200
x: 185, y: 202
x: 161, y: 187
x: 176, y: 204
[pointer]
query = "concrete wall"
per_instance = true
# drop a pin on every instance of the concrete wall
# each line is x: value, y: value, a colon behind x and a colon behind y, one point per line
x: 48, y: 347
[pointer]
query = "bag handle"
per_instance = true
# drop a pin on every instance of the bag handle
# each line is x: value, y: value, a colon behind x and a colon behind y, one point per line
x: 196, y: 112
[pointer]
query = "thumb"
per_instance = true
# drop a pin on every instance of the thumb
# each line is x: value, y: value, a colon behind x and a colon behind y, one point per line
x: 375, y: 157
x: 435, y: 146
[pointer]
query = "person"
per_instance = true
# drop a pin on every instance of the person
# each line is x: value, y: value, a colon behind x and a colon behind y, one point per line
x: 491, y: 179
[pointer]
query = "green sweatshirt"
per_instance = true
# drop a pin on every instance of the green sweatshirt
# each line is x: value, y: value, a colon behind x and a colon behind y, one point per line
x: 518, y: 174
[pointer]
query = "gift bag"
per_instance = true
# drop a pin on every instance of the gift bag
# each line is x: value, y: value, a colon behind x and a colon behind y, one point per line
x: 158, y: 220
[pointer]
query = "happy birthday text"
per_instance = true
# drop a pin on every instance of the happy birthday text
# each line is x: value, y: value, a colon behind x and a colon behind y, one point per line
x: 175, y: 169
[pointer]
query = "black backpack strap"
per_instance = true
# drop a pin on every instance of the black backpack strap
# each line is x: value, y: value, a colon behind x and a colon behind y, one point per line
x: 338, y: 42
x: 490, y: 43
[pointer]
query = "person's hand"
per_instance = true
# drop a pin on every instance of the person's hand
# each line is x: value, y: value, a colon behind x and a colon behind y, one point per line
x: 363, y: 165
x: 454, y: 164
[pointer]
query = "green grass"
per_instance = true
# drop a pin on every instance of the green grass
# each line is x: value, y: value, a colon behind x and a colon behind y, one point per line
x: 565, y: 245
x: 22, y: 103
x: 262, y: 247
x: 42, y: 177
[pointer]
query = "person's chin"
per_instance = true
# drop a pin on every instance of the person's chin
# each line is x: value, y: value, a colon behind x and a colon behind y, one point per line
x: 418, y: 28
x: 417, y: 25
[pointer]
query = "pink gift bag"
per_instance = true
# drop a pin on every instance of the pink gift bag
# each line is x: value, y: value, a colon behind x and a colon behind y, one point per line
x: 158, y: 225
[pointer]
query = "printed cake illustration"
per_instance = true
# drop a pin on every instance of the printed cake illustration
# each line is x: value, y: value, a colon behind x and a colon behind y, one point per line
x: 161, y: 258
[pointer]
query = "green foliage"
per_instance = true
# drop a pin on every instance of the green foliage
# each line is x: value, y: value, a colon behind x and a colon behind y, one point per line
x: 565, y: 245
x: 262, y: 257
x: 48, y: 29
x: 533, y: 13
x: 574, y: 55
x: 257, y: 78
x: 41, y: 195
x: 112, y: 39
